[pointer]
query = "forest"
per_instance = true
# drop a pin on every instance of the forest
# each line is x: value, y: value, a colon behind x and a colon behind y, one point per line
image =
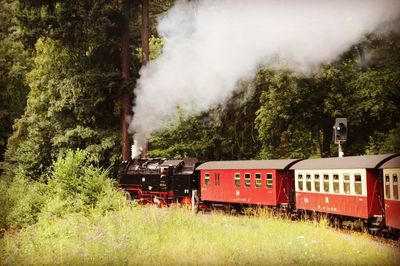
x: 60, y: 98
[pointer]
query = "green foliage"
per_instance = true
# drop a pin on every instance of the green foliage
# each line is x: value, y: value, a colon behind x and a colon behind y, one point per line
x: 155, y: 46
x: 284, y: 120
x: 67, y: 108
x: 26, y: 199
x: 384, y: 143
x: 297, y: 112
x: 14, y: 64
x: 73, y: 185
x: 191, y: 137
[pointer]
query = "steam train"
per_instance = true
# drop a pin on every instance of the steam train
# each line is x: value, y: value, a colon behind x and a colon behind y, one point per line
x: 361, y: 188
x: 159, y: 180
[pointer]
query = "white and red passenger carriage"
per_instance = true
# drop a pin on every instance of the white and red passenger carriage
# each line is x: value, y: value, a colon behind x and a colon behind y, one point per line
x: 255, y: 182
x: 349, y: 186
x: 391, y: 173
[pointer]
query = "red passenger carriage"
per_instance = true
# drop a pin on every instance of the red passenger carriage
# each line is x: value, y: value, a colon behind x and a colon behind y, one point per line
x: 391, y: 173
x: 256, y: 182
x: 349, y: 186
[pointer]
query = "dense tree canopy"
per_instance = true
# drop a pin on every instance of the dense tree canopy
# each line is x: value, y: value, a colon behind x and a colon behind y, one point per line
x: 61, y: 82
x: 60, y: 87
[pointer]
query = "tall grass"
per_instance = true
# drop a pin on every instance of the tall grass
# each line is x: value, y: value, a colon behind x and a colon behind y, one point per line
x: 151, y: 236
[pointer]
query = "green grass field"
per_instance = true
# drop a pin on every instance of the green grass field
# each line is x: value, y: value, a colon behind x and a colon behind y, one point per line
x: 152, y: 236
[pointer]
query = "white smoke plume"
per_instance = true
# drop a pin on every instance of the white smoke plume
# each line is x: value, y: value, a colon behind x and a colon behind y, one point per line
x: 210, y: 45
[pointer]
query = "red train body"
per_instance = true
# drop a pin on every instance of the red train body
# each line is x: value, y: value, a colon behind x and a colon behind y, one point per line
x: 349, y: 186
x: 266, y: 182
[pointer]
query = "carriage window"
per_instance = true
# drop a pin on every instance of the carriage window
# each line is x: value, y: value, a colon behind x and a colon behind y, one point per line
x: 395, y: 187
x: 247, y: 180
x: 326, y: 183
x: 207, y: 179
x: 308, y: 182
x: 336, y: 183
x: 237, y: 180
x: 357, y: 184
x: 300, y: 182
x: 316, y: 183
x: 346, y: 183
x: 258, y: 180
x: 216, y: 175
x: 387, y: 186
x: 269, y: 180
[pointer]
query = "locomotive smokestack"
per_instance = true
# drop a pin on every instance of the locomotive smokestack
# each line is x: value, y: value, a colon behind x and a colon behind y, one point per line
x: 139, y: 147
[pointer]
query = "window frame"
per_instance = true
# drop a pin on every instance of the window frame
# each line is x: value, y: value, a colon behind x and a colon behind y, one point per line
x: 308, y: 183
x: 207, y: 179
x: 387, y: 186
x: 358, y: 183
x: 269, y: 179
x: 247, y: 180
x: 336, y: 183
x: 395, y: 188
x: 326, y: 180
x: 346, y: 183
x: 237, y: 180
x: 300, y: 181
x: 257, y: 181
x: 317, y: 181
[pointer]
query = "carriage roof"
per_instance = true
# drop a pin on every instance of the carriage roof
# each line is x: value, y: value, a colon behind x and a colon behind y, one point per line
x: 393, y: 162
x: 350, y: 162
x: 250, y: 165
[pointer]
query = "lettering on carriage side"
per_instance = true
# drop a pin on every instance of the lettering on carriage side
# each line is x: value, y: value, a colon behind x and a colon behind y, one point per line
x: 326, y: 200
x: 237, y: 193
x: 305, y: 200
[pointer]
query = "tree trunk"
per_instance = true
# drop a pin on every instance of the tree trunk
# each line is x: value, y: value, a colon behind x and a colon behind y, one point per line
x: 125, y: 99
x: 145, y: 32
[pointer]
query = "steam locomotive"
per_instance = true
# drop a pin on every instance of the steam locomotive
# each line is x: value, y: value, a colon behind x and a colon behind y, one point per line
x: 158, y: 180
x: 361, y: 188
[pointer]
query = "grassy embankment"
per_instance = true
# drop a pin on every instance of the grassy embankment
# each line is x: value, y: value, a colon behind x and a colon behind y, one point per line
x: 177, y: 236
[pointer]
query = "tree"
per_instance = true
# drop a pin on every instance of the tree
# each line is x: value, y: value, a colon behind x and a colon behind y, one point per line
x: 14, y: 64
x: 74, y: 87
x: 287, y: 116
x: 297, y: 112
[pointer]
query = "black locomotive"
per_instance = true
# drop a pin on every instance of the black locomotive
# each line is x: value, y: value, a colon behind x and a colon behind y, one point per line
x: 159, y: 180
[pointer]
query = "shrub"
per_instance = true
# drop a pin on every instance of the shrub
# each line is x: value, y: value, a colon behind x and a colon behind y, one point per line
x: 76, y: 186
x: 73, y: 185
x: 25, y: 199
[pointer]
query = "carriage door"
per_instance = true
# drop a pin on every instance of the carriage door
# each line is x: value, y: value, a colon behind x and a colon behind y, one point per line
x: 380, y: 193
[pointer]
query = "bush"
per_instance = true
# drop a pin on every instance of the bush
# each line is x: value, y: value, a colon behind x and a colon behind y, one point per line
x: 73, y: 185
x: 25, y: 199
x: 76, y: 186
